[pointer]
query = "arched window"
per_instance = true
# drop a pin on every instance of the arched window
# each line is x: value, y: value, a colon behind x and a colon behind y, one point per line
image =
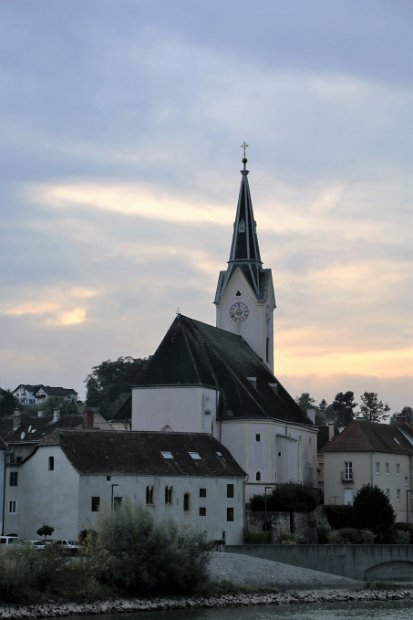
x: 149, y: 495
x: 187, y: 502
x: 168, y: 495
x: 51, y: 463
x: 258, y: 476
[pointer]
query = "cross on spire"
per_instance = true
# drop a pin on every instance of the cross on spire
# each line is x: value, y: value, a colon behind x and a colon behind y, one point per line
x: 244, y: 146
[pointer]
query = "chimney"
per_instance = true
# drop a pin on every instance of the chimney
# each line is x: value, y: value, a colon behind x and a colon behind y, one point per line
x: 16, y: 419
x: 56, y: 415
x: 88, y: 416
x: 311, y: 415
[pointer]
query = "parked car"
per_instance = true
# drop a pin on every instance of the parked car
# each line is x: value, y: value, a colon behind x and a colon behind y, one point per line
x: 38, y: 544
x: 70, y: 546
x: 10, y: 540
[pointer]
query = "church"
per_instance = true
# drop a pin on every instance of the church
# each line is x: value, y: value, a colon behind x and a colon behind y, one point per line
x: 219, y: 380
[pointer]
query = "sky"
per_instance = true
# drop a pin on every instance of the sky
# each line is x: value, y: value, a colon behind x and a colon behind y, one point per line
x: 121, y: 123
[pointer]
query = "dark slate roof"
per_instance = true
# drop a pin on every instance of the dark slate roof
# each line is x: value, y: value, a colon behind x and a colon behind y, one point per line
x: 245, y: 251
x: 56, y: 391
x: 362, y: 436
x: 129, y: 452
x: 194, y: 353
x: 34, y: 428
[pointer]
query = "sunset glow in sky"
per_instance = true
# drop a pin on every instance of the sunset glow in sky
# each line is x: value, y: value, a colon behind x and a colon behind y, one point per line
x: 121, y: 125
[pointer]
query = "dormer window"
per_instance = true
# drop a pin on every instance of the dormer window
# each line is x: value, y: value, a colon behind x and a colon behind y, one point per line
x: 195, y: 456
x: 167, y: 455
x: 253, y: 382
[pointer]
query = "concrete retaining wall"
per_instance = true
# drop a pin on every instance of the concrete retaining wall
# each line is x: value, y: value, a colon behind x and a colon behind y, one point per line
x: 370, y: 562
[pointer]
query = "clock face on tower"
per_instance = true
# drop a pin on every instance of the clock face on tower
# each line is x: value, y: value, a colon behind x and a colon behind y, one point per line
x: 238, y: 311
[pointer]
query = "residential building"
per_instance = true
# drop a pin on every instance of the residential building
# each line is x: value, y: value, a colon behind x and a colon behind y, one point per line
x: 71, y: 476
x: 28, y: 394
x: 369, y: 453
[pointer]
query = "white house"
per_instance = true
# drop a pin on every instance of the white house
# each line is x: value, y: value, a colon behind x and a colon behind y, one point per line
x: 28, y: 394
x: 72, y: 475
x: 220, y: 380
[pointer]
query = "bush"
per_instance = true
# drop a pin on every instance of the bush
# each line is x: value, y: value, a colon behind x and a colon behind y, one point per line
x: 287, y: 538
x: 372, y: 510
x: 402, y: 537
x: 401, y: 526
x: 288, y: 497
x: 256, y: 537
x: 339, y: 516
x: 134, y: 555
x: 28, y: 575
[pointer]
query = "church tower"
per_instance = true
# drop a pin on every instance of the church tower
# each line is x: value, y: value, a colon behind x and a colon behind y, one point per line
x: 244, y: 297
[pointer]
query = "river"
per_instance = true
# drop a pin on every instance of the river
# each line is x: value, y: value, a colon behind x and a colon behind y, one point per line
x: 386, y: 610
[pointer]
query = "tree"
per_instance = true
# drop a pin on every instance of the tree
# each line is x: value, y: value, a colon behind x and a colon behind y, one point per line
x: 135, y: 555
x: 372, y: 409
x: 7, y: 403
x: 407, y: 412
x: 45, y: 530
x: 288, y: 497
x: 110, y: 380
x: 372, y: 511
x: 340, y: 412
x: 305, y: 401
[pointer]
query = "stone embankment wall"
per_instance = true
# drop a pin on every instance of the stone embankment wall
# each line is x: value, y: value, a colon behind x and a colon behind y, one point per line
x: 364, y: 562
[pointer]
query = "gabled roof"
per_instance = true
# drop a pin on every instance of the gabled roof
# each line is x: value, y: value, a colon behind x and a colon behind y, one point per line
x: 121, y: 452
x: 55, y: 391
x: 194, y: 353
x: 362, y: 436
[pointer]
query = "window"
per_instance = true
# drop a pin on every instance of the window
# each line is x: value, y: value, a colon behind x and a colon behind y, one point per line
x: 377, y: 467
x: 167, y: 455
x: 387, y: 468
x: 267, y: 350
x: 13, y: 479
x: 258, y: 476
x: 117, y: 502
x: 149, y: 495
x: 257, y: 436
x: 51, y: 463
x: 187, y: 502
x: 202, y: 511
x: 230, y: 514
x: 95, y: 504
x: 12, y: 506
x: 397, y: 469
x: 195, y: 456
x: 398, y: 495
x: 168, y: 495
x: 348, y: 470
x: 230, y: 490
x: 202, y: 492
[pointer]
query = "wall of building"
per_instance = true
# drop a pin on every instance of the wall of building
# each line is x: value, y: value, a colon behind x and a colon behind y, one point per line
x: 205, y: 493
x: 43, y: 496
x: 182, y: 409
x: 365, y: 471
x: 271, y: 452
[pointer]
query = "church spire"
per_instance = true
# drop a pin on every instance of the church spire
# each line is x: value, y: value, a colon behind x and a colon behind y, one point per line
x: 245, y: 251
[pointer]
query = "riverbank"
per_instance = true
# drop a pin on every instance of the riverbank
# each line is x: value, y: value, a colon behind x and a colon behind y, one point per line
x: 54, y: 610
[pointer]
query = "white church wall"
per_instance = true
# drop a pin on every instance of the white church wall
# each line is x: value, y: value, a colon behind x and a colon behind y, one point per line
x: 189, y: 409
x: 271, y: 452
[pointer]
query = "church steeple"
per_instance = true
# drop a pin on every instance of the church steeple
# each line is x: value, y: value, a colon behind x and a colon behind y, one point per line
x: 244, y: 297
x: 245, y: 251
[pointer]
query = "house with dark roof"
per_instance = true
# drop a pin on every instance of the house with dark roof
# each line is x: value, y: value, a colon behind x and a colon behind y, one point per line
x: 28, y: 394
x: 72, y: 475
x: 369, y: 453
x: 219, y: 380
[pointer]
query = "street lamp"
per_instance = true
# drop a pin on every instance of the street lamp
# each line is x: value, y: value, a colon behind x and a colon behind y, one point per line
x: 265, y: 507
x: 111, y: 497
x: 407, y: 504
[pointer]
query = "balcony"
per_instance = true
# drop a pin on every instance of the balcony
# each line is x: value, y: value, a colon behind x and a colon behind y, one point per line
x: 347, y: 476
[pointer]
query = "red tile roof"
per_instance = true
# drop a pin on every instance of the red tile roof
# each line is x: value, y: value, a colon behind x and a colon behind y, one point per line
x: 362, y: 436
